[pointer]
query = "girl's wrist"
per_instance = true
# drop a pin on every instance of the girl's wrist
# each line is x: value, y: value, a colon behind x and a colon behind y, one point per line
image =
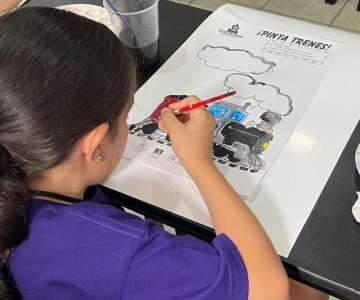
x: 201, y: 168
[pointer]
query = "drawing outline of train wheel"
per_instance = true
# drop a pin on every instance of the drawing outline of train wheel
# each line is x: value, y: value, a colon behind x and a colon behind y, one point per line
x: 239, y: 153
x: 232, y: 158
x: 221, y: 161
x: 219, y: 151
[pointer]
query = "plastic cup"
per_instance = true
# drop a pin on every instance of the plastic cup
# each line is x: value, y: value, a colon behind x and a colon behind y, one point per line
x: 136, y: 22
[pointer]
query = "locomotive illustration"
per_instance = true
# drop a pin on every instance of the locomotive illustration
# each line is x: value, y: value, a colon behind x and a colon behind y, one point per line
x: 235, y: 144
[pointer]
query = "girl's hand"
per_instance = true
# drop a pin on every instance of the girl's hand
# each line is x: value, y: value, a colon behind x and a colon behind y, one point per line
x: 191, y: 133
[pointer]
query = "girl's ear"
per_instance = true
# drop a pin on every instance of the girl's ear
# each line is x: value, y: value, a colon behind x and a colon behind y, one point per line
x: 90, y: 143
x: 7, y: 5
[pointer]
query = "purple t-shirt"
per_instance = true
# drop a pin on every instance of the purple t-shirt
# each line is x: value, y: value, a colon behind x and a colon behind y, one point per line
x: 95, y: 251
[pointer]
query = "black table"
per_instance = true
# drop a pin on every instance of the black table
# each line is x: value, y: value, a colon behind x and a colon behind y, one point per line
x: 326, y: 254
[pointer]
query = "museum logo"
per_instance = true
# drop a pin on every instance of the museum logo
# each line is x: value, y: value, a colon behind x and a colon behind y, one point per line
x: 232, y: 31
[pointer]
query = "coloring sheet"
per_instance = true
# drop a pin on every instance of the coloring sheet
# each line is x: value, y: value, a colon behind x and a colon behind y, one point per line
x: 275, y: 74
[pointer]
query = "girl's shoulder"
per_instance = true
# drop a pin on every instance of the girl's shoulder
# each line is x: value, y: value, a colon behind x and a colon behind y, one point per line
x: 85, y: 217
x: 96, y: 249
x: 75, y: 246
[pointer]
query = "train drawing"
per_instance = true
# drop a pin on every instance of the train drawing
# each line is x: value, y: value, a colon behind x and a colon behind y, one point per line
x: 234, y: 144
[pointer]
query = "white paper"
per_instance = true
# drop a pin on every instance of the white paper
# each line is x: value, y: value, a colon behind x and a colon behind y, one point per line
x: 356, y: 208
x: 276, y: 75
x: 22, y: 2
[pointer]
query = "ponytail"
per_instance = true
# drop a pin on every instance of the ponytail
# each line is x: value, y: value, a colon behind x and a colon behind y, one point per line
x: 13, y: 202
x: 61, y: 75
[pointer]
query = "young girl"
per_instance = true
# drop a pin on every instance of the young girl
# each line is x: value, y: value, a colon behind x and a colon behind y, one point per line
x: 66, y: 87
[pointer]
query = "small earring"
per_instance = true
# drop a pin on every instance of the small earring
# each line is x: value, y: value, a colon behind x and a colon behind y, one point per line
x: 99, y: 158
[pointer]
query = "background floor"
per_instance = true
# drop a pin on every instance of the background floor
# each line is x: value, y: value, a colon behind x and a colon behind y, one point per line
x: 342, y: 15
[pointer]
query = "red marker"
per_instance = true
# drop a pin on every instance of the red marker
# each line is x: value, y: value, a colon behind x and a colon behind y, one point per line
x: 201, y: 103
x: 155, y: 116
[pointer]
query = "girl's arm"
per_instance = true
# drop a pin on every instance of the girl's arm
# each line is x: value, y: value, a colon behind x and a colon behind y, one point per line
x: 192, y: 143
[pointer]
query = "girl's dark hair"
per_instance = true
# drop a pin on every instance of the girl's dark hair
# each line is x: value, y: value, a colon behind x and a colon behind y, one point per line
x: 61, y: 75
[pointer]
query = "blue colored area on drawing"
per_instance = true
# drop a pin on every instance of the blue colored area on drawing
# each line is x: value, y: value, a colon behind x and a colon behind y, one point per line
x: 237, y: 116
x: 218, y: 111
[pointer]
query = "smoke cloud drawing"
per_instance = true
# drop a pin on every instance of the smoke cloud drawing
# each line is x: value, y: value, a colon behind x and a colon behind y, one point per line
x: 268, y: 97
x: 239, y: 60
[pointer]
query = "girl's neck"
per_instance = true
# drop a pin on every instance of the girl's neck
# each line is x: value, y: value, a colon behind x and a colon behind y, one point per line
x: 57, y: 183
